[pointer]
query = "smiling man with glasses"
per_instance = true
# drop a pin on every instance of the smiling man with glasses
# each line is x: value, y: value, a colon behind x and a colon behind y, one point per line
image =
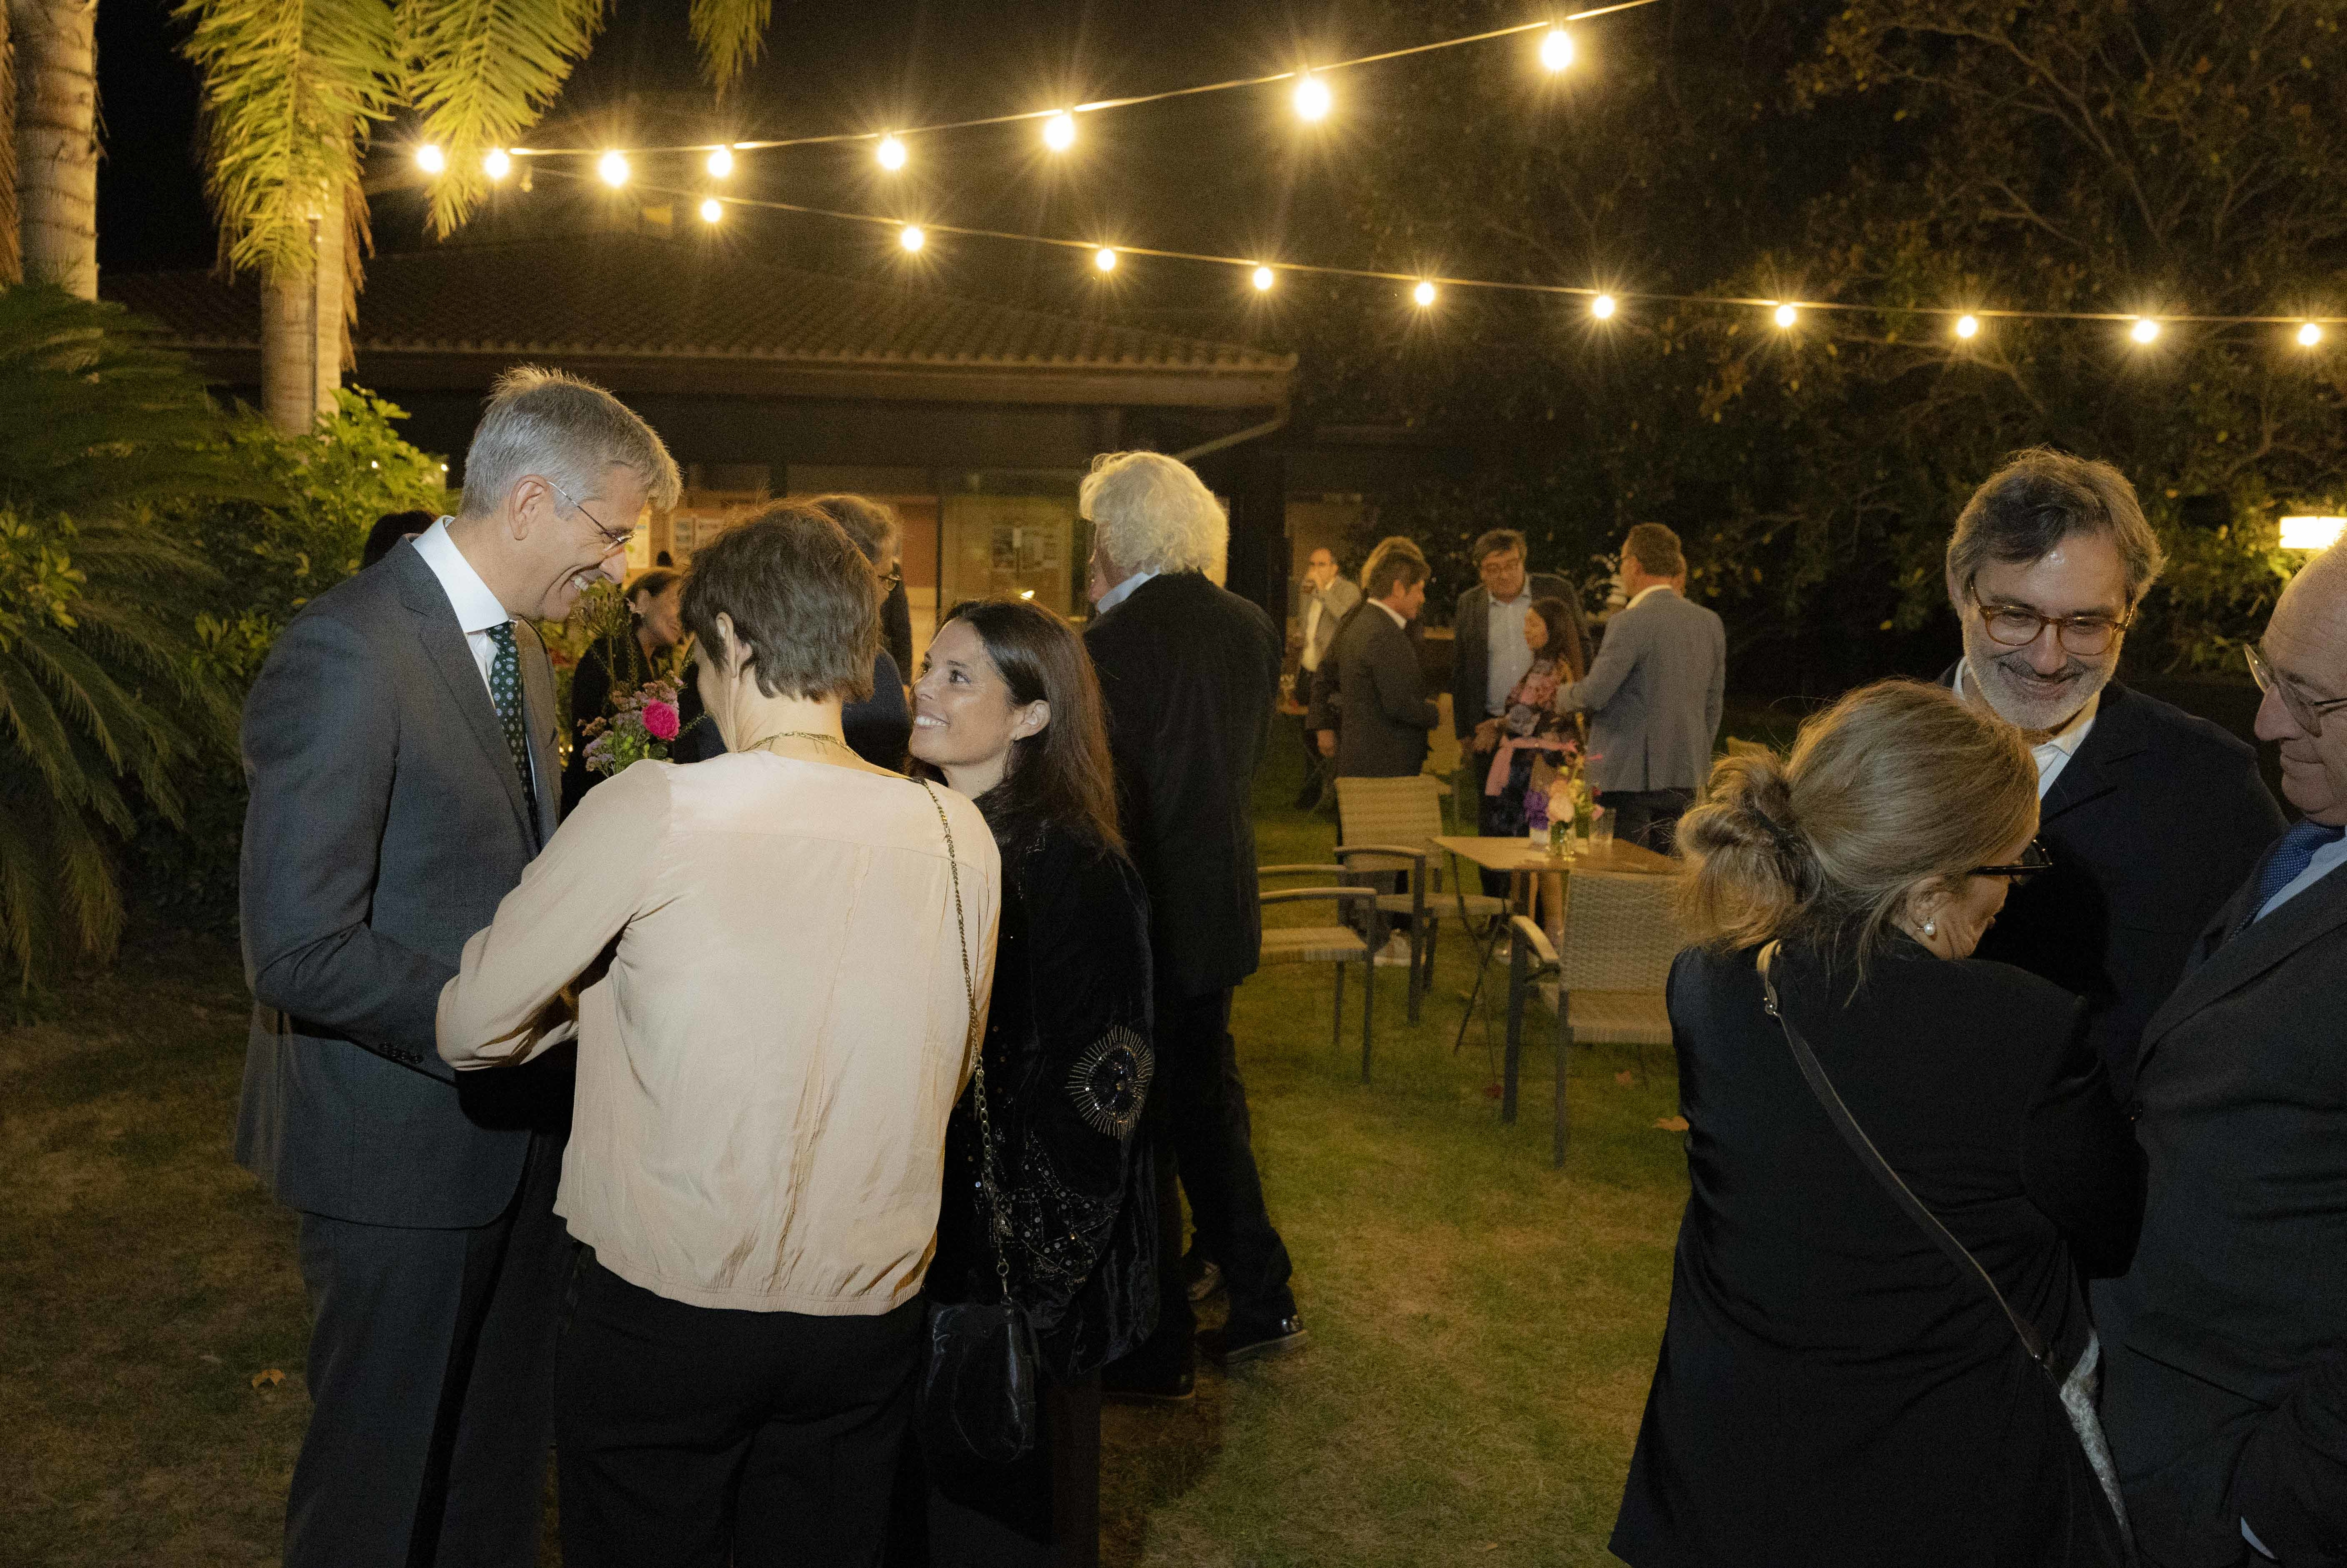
x: 2149, y: 817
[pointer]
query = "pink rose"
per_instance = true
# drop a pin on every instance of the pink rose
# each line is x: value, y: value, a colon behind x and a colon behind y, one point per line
x: 660, y: 720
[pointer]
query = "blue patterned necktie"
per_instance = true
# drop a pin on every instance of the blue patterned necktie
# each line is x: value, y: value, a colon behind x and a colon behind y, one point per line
x: 505, y: 690
x: 2290, y: 856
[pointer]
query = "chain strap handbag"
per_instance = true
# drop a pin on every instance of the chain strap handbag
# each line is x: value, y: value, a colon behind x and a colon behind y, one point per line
x: 2097, y: 1513
x: 978, y: 1384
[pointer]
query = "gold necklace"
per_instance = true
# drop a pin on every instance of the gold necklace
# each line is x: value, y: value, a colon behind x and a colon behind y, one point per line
x: 797, y: 736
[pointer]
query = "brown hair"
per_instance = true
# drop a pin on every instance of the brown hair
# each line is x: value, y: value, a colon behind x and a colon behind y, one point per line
x: 870, y: 525
x: 801, y: 597
x: 2039, y: 498
x: 1395, y: 568
x: 1060, y: 775
x: 1656, y: 548
x: 1494, y: 542
x: 656, y: 581
x: 1563, y: 635
x: 1389, y: 545
x: 1895, y: 788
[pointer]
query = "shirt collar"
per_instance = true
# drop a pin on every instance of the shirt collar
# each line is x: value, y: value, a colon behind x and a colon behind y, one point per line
x: 1523, y: 595
x: 1389, y: 609
x: 1122, y: 592
x: 2073, y: 733
x: 478, y: 609
x: 1648, y: 592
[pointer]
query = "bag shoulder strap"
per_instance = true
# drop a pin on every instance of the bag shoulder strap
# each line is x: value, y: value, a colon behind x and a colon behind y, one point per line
x: 1814, y: 1073
x: 998, y: 1224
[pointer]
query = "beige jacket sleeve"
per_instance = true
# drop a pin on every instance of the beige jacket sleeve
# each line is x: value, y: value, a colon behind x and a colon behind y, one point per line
x: 507, y: 1004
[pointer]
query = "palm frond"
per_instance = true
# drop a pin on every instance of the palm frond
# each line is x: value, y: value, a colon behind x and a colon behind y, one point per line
x: 481, y: 72
x: 290, y: 90
x: 730, y: 34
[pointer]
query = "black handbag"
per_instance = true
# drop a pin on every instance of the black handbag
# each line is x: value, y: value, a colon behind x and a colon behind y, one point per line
x: 978, y: 1384
x: 2096, y: 1508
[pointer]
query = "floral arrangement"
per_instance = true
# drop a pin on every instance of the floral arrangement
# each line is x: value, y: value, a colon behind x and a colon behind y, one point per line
x: 1560, y: 798
x: 642, y: 722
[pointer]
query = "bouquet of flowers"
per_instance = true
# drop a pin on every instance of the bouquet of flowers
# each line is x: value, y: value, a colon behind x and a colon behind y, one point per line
x: 1559, y: 801
x: 643, y: 721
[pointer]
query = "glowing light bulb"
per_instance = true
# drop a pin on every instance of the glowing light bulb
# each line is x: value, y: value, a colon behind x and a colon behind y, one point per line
x: 1556, y: 49
x: 1967, y: 326
x: 1263, y: 280
x: 2308, y: 335
x: 1423, y: 294
x: 1105, y: 259
x: 711, y: 210
x: 891, y: 153
x: 1601, y: 307
x: 1786, y: 315
x: 1060, y: 131
x: 2144, y: 330
x: 1312, y: 100
x: 496, y: 163
x: 721, y: 163
x: 2312, y: 533
x: 430, y: 158
x: 613, y: 167
x: 911, y: 238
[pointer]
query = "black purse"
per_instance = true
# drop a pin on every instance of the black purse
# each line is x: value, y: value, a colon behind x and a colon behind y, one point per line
x: 2097, y: 1513
x: 977, y: 1386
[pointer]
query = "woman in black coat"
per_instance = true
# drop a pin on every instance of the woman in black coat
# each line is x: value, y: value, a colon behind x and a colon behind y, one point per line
x: 1008, y: 712
x: 623, y: 663
x: 1831, y: 1390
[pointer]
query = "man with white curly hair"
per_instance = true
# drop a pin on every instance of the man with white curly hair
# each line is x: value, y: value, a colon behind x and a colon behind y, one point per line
x: 1189, y: 673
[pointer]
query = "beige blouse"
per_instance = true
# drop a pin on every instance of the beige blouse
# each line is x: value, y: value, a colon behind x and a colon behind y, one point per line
x: 766, y: 1068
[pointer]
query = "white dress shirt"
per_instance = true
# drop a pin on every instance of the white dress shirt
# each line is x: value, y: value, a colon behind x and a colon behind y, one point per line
x: 1511, y: 653
x: 2052, y: 753
x: 1398, y: 619
x: 478, y: 609
x: 2327, y: 859
x: 1121, y: 591
x: 1311, y: 656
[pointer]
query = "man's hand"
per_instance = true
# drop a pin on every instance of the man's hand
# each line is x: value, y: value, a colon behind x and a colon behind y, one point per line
x: 1327, y: 743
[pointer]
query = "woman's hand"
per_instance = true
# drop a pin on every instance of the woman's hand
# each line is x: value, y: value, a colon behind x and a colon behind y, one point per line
x: 1487, y: 735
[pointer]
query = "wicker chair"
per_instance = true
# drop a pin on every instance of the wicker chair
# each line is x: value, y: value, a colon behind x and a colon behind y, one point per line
x: 1390, y: 824
x: 1335, y: 943
x: 1619, y: 940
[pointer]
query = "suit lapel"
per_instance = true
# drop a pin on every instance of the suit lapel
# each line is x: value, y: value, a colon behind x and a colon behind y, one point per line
x: 2106, y: 758
x: 2225, y: 966
x: 451, y: 656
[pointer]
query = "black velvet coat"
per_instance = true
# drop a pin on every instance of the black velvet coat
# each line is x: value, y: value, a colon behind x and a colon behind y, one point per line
x: 1067, y: 1064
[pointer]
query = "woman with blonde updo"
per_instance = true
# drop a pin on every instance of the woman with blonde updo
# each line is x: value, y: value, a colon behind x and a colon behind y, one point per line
x: 1830, y: 1389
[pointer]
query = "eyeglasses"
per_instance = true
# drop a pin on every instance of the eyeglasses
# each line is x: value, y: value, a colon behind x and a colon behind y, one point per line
x: 1500, y: 565
x: 2034, y: 861
x: 614, y: 541
x: 2018, y: 625
x: 2305, y: 711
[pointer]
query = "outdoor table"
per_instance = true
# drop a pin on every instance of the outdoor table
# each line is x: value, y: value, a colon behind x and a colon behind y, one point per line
x: 1522, y: 859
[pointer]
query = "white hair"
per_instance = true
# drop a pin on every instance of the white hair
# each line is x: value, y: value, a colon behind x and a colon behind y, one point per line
x: 1153, y: 513
x: 552, y: 424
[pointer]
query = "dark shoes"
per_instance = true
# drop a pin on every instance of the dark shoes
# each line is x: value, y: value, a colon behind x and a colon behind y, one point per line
x: 1237, y: 1342
x: 1138, y: 1386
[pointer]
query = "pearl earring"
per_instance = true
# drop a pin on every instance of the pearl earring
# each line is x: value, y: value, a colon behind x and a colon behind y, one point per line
x: 1930, y: 927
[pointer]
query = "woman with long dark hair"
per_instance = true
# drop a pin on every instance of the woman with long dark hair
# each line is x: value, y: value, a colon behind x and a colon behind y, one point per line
x: 1008, y: 711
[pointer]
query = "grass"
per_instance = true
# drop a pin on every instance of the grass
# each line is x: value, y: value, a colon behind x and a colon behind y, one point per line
x: 1483, y: 1326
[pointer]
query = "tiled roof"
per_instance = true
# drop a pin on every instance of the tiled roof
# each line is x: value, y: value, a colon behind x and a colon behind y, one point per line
x: 614, y: 297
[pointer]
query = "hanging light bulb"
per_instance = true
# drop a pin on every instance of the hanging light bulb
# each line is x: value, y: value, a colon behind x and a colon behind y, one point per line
x: 430, y: 158
x: 911, y: 238
x: 1312, y: 100
x: 1601, y: 307
x: 613, y: 167
x: 891, y: 154
x: 711, y: 210
x: 1556, y: 49
x: 2308, y: 335
x: 2144, y: 330
x: 721, y: 162
x: 1105, y: 259
x: 1968, y: 326
x: 1263, y: 279
x: 1060, y: 131
x: 496, y: 163
x: 1423, y: 294
x: 1787, y: 316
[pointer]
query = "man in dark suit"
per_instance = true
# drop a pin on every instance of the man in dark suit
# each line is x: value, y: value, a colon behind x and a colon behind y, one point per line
x: 1324, y: 598
x: 1489, y: 651
x: 2225, y: 1380
x: 1386, y: 705
x: 400, y: 748
x: 1189, y: 673
x: 2150, y: 817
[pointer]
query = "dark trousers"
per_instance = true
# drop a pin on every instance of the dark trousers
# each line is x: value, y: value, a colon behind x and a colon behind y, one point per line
x: 1648, y: 818
x: 430, y: 1371
x: 700, y: 1437
x: 1197, y: 1116
x: 1317, y: 769
x: 1493, y: 819
x: 1040, y: 1511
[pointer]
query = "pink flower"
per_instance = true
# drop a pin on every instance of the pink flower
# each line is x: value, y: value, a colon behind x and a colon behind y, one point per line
x: 660, y: 720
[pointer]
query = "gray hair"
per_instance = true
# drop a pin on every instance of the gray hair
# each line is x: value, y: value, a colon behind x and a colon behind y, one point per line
x: 552, y: 424
x: 1153, y: 513
x: 2039, y: 498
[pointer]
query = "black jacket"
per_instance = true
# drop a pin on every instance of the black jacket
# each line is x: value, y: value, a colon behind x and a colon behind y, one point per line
x: 1830, y: 1393
x: 1189, y: 673
x: 1067, y: 1064
x: 1387, y: 705
x: 2225, y: 1382
x: 1470, y: 632
x: 878, y: 729
x: 2150, y: 825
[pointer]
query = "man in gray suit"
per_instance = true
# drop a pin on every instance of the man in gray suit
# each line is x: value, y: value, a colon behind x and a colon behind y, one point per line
x: 1325, y: 601
x: 1653, y: 694
x: 2225, y: 1347
x: 400, y: 748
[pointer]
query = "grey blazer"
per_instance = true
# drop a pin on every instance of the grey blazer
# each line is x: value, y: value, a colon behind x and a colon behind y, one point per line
x: 1653, y: 694
x: 1386, y: 706
x: 387, y: 820
x: 2225, y: 1347
x: 1339, y: 597
x: 1471, y: 628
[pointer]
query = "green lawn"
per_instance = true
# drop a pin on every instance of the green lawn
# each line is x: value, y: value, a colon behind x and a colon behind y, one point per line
x: 1483, y: 1326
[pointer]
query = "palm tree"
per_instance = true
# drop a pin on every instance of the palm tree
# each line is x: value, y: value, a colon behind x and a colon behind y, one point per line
x: 12, y: 266
x: 56, y: 135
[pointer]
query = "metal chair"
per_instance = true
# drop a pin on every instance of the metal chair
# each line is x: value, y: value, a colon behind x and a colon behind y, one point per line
x: 1338, y: 944
x: 1620, y: 937
x: 1390, y: 824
